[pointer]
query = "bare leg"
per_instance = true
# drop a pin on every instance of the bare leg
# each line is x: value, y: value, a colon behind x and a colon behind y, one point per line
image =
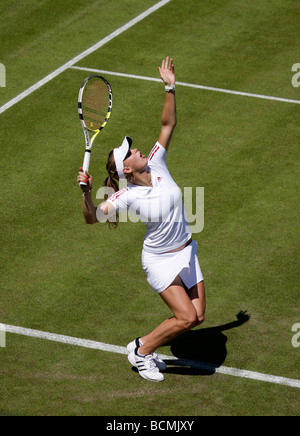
x: 197, y: 296
x: 188, y: 309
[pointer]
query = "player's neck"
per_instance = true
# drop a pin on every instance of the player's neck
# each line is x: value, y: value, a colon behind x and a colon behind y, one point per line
x: 142, y: 178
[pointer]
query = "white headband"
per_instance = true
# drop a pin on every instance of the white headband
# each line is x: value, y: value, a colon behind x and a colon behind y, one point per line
x: 120, y: 154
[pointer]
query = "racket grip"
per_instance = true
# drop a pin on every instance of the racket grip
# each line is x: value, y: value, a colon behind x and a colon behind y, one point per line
x: 86, y: 164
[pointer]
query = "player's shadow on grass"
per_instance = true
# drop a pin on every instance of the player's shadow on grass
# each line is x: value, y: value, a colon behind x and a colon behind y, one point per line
x: 200, y: 352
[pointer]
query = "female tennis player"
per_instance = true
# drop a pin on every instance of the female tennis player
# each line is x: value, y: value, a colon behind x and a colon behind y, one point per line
x: 169, y: 255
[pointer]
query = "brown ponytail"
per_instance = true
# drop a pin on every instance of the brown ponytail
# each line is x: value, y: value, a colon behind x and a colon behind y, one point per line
x: 111, y: 181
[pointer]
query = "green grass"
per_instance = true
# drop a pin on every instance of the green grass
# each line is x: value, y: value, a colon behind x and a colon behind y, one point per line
x: 38, y: 37
x: 61, y: 276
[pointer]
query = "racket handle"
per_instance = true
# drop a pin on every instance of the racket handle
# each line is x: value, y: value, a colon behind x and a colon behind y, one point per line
x: 86, y: 164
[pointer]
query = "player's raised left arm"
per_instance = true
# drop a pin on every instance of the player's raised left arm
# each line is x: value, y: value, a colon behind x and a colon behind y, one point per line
x: 168, y: 119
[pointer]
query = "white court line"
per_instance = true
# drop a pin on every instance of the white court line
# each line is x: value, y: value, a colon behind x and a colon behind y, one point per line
x: 190, y: 85
x: 171, y: 359
x: 82, y: 55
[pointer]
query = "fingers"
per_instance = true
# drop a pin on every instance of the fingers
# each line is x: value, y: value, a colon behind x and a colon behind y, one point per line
x: 167, y: 64
x: 164, y: 63
x: 83, y: 176
x: 171, y: 67
x: 166, y: 70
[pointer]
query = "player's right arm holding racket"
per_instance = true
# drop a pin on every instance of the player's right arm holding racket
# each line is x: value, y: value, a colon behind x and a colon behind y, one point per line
x: 105, y: 210
x: 88, y: 207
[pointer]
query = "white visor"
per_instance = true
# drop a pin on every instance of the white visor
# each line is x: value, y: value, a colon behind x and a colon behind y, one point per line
x: 120, y: 154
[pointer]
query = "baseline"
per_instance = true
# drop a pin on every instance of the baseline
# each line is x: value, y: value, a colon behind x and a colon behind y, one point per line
x: 190, y: 85
x: 171, y: 359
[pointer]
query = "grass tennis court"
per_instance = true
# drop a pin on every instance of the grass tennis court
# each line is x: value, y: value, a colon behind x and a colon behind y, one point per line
x: 59, y: 275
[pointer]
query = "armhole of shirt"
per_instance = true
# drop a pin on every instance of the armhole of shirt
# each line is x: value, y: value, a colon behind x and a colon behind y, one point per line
x: 158, y: 154
x: 116, y: 199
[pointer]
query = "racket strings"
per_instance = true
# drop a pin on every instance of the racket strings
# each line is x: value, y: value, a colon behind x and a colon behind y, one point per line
x: 95, y: 103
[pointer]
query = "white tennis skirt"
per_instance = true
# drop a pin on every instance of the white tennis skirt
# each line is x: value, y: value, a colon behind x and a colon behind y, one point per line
x: 162, y: 269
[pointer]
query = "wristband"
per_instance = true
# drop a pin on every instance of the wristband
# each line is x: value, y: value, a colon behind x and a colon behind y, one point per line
x: 170, y: 88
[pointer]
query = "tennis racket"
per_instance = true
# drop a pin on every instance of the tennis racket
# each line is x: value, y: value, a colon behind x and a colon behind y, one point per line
x: 94, y: 109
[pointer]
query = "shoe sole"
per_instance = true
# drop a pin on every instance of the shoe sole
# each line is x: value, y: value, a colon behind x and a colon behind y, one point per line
x: 150, y: 379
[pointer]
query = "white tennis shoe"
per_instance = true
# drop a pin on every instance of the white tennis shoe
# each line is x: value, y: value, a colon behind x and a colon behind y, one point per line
x: 146, y: 366
x: 158, y: 362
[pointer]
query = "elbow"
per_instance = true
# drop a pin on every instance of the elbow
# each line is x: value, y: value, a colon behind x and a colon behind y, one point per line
x: 173, y: 123
x: 169, y: 124
x: 89, y: 215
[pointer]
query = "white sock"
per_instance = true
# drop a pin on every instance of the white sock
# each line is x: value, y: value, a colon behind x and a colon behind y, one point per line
x: 139, y: 354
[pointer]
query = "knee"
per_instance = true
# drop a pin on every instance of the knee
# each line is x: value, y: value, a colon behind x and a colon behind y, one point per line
x: 189, y: 321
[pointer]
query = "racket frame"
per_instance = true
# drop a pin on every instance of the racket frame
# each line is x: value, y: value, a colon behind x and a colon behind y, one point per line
x: 89, y: 141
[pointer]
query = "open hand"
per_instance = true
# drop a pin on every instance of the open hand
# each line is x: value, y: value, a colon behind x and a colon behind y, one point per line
x: 166, y: 71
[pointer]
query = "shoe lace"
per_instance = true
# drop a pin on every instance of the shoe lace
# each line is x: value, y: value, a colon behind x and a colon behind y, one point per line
x: 149, y: 362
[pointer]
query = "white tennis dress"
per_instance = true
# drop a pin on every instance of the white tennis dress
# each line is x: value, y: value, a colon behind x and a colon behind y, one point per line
x: 160, y: 208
